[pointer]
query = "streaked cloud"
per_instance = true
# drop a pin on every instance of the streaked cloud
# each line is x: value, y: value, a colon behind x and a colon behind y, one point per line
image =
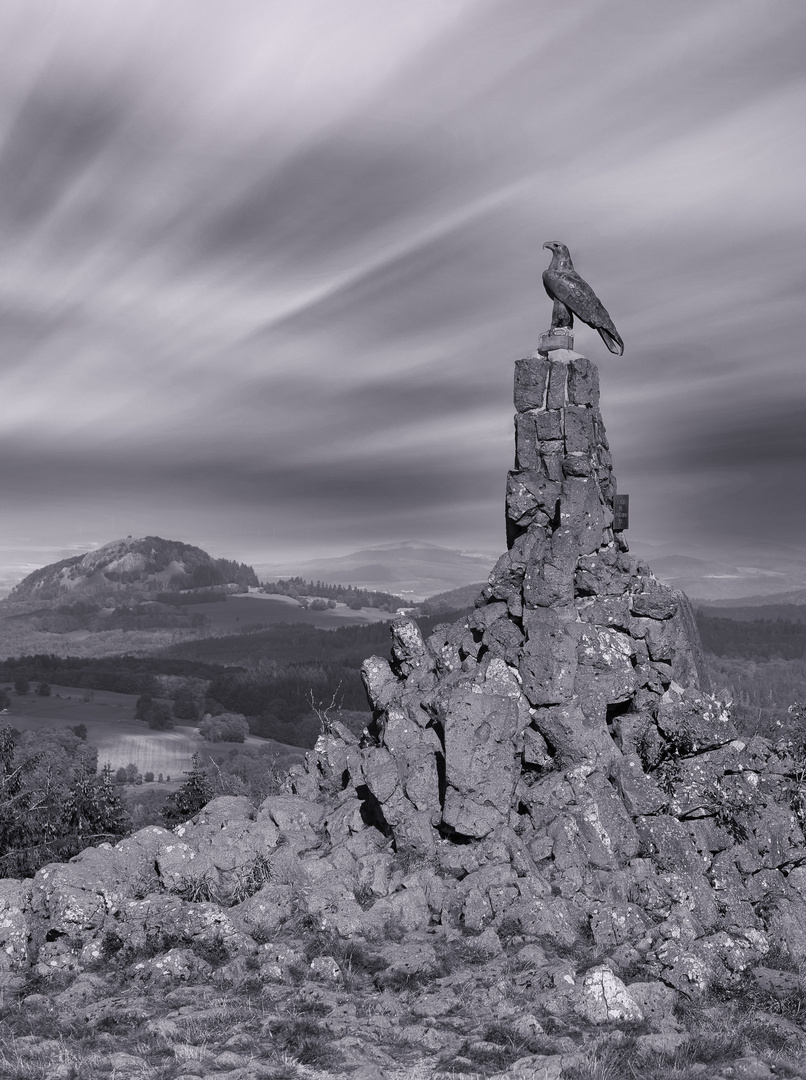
x: 264, y: 270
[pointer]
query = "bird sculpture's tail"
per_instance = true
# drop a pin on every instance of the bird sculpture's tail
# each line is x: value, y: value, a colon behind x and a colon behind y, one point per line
x: 612, y: 340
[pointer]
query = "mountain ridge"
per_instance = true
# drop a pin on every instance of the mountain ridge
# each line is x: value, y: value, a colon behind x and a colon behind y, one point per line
x: 416, y: 569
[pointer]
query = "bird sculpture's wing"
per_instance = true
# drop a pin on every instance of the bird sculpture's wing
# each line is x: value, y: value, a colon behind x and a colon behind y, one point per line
x: 577, y: 295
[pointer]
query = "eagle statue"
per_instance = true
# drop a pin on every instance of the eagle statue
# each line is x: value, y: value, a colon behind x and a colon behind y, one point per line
x: 574, y: 296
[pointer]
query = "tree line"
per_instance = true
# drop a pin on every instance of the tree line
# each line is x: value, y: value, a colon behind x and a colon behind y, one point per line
x: 121, y: 674
x: 353, y: 597
x: 756, y: 639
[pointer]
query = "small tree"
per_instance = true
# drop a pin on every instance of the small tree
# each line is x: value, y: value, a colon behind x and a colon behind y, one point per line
x: 159, y: 717
x: 227, y: 727
x: 21, y: 685
x: 184, y: 705
x: 43, y: 689
x: 144, y: 703
x: 210, y: 729
x: 52, y: 802
x: 133, y: 774
x: 195, y: 793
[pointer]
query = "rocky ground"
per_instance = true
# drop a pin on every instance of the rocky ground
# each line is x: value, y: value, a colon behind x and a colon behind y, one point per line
x: 191, y: 997
x: 230, y: 947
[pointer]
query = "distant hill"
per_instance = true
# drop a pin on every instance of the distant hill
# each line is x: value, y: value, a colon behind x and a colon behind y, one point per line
x: 412, y: 569
x: 137, y: 568
x: 750, y: 611
x: 746, y: 576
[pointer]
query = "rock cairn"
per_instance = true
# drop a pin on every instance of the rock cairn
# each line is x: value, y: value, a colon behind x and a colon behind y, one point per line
x: 548, y: 768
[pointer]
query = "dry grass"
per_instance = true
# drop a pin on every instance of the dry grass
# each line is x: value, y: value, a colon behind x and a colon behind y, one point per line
x: 290, y: 1029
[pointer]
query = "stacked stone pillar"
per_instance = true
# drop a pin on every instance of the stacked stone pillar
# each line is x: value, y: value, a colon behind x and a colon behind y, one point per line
x: 601, y: 639
x: 562, y: 460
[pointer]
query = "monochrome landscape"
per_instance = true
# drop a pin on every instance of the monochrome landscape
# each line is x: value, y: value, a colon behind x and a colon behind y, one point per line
x: 343, y: 734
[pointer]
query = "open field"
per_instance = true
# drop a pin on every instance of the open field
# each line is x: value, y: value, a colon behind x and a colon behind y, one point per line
x: 249, y: 609
x: 120, y: 739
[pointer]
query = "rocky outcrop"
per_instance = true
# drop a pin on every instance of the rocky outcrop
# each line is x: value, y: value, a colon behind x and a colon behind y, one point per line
x: 557, y: 752
x: 549, y: 770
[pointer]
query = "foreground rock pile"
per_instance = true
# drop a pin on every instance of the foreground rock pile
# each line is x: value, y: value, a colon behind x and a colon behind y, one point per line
x: 548, y: 818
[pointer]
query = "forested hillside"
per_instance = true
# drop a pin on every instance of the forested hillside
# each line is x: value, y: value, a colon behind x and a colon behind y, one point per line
x: 760, y: 664
x: 353, y: 597
x: 756, y: 639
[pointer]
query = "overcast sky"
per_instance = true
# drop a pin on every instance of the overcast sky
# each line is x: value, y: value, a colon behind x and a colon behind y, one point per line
x: 265, y: 267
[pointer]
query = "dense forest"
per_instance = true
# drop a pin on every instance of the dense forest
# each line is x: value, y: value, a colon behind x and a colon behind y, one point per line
x: 756, y: 639
x: 276, y: 677
x: 96, y: 617
x: 122, y: 674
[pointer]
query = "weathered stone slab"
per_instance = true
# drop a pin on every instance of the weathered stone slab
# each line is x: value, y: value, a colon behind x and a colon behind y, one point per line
x: 604, y: 998
x: 531, y: 497
x: 527, y: 441
x: 549, y: 425
x: 654, y: 600
x: 579, y: 432
x: 483, y: 727
x: 694, y: 721
x: 558, y: 376
x: 549, y: 659
x: 531, y: 383
x: 548, y: 585
x: 583, y: 382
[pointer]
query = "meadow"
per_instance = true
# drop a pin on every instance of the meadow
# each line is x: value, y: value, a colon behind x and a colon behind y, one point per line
x: 111, y: 727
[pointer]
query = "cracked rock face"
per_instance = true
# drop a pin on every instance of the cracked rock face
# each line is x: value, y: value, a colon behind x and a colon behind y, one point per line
x: 566, y: 725
x: 573, y: 652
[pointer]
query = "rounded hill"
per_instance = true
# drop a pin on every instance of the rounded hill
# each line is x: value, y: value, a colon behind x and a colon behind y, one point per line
x: 141, y: 566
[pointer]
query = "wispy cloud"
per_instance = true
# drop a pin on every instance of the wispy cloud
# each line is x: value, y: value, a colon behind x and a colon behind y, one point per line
x: 279, y: 260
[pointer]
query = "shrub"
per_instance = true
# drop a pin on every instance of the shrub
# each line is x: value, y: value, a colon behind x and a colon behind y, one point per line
x: 226, y: 727
x: 184, y: 705
x: 159, y: 717
x: 53, y: 803
x: 195, y: 793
